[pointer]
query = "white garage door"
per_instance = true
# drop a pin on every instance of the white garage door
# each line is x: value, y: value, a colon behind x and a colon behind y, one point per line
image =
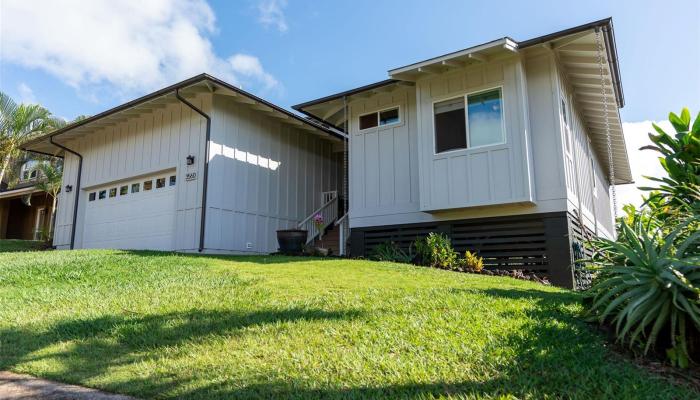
x: 138, y: 214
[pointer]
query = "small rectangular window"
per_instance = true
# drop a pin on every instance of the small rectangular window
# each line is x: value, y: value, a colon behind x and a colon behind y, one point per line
x: 103, y: 194
x: 485, y: 115
x: 124, y: 190
x: 450, y: 125
x: 147, y: 185
x: 567, y: 133
x: 135, y: 187
x: 91, y: 197
x: 173, y: 180
x: 368, y: 121
x: 388, y: 117
x: 113, y: 192
x: 160, y: 182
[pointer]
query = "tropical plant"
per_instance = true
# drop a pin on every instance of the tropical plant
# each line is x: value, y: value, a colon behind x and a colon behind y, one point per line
x: 436, y: 251
x: 390, y: 251
x: 680, y: 158
x: 471, y: 262
x: 648, y: 282
x: 19, y: 123
x: 52, y: 175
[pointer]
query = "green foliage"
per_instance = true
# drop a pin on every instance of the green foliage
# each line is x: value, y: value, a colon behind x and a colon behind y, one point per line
x: 680, y: 158
x: 650, y: 281
x: 472, y: 262
x: 390, y: 251
x: 436, y: 251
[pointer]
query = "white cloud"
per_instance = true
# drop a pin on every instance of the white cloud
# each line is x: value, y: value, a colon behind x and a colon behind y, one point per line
x: 271, y: 14
x: 26, y: 94
x: 249, y: 66
x: 124, y: 46
x: 642, y: 162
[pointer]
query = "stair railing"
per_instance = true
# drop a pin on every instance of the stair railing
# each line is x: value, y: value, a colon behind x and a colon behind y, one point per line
x: 343, y: 223
x: 329, y: 213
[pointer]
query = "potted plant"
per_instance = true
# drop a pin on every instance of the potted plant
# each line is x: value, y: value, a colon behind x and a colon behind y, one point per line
x: 291, y: 241
x: 318, y: 223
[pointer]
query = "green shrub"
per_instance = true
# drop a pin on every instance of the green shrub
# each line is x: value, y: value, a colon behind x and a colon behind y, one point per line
x: 680, y: 158
x: 390, y: 251
x: 472, y: 262
x: 649, y: 282
x: 436, y: 251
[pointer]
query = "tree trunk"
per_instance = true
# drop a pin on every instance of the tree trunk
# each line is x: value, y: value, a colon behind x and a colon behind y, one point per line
x: 52, y: 222
x: 5, y: 163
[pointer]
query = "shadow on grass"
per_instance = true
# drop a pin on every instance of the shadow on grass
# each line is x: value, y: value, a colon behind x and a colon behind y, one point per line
x: 256, y: 259
x: 552, y: 355
x: 102, y: 343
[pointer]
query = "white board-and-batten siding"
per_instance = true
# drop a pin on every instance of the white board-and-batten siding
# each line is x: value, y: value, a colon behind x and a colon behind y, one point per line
x: 396, y: 177
x: 488, y: 175
x: 583, y: 167
x: 264, y: 175
x: 156, y: 141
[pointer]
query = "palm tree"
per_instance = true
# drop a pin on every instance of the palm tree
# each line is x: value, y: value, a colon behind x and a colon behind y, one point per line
x: 19, y: 123
x: 51, y: 184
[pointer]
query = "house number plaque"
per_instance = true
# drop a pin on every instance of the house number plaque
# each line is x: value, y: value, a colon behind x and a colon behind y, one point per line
x: 191, y: 176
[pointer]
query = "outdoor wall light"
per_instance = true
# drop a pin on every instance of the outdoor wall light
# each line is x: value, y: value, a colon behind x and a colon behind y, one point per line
x: 69, y: 188
x: 190, y: 160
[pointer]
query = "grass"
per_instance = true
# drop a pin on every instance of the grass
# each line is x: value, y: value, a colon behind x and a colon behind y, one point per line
x: 158, y: 325
x: 13, y: 245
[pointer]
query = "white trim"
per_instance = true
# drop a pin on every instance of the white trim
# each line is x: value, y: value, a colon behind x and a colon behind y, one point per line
x: 379, y: 125
x: 465, y: 95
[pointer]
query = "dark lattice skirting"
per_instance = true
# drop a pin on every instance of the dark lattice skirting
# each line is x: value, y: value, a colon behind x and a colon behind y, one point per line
x: 538, y: 243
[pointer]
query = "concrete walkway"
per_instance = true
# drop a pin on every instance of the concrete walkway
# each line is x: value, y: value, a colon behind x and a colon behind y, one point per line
x: 23, y: 387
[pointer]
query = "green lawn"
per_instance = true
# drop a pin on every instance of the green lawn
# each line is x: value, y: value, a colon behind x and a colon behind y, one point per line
x: 158, y: 325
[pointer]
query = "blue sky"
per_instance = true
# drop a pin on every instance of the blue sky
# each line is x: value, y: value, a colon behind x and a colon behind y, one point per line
x: 308, y: 49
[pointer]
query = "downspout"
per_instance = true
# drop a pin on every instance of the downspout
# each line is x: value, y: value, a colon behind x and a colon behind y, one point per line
x: 206, y: 166
x: 77, y: 189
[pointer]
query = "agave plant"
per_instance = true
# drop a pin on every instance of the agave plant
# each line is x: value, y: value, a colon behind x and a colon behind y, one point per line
x: 649, y: 281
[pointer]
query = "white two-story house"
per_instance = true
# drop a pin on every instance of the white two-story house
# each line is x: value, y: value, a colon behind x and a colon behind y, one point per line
x: 508, y: 147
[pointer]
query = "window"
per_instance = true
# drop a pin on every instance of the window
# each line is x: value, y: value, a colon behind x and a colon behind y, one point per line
x: 32, y: 175
x: 113, y: 192
x: 173, y: 180
x: 485, y: 116
x: 160, y: 182
x: 91, y: 197
x: 103, y: 194
x: 450, y: 125
x: 124, y: 190
x: 481, y: 124
x: 368, y: 121
x: 388, y: 117
x: 135, y: 187
x: 380, y: 118
x: 147, y: 185
x: 567, y: 130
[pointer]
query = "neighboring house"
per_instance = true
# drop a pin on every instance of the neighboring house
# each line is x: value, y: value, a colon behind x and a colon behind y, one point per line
x: 502, y: 146
x: 139, y: 177
x: 25, y: 210
x: 508, y: 147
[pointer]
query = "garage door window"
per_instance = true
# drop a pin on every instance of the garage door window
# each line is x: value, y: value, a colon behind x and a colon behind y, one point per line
x: 103, y: 194
x: 124, y: 190
x: 92, y: 196
x: 135, y: 187
x: 148, y: 185
x: 160, y: 183
x: 113, y: 192
x: 173, y: 178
